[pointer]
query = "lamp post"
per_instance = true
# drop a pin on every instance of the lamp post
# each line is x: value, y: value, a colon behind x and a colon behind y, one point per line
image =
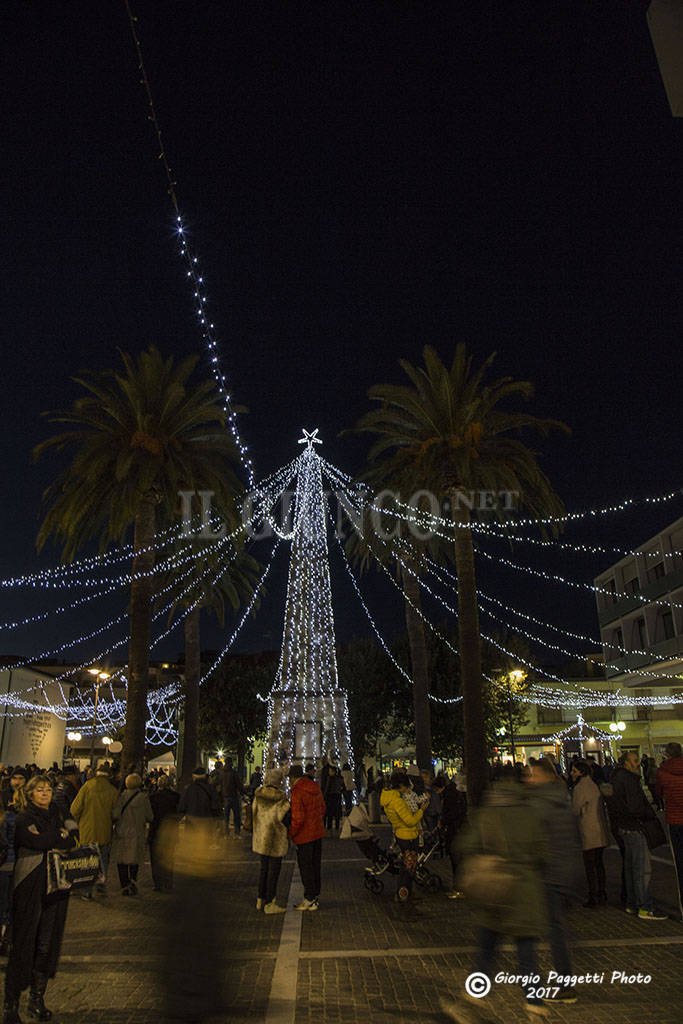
x: 516, y: 676
x: 99, y: 675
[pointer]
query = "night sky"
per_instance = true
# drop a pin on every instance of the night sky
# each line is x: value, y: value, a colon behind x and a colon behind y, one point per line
x: 358, y: 180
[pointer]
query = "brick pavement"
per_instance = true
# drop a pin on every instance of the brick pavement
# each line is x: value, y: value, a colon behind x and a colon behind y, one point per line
x: 362, y: 958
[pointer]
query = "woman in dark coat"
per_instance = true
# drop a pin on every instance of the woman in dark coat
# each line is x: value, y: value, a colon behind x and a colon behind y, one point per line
x: 37, y: 919
x: 163, y: 834
x: 333, y: 797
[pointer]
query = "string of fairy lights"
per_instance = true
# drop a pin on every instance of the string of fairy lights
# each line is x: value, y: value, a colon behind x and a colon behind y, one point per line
x: 191, y: 261
x: 306, y: 691
x: 308, y: 630
x: 544, y: 695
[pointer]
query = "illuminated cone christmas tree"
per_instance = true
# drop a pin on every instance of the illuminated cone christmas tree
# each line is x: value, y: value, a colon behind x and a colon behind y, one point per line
x: 308, y: 712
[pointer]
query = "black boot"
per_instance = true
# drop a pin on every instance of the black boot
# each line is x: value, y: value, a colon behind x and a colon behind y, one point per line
x: 11, y: 1015
x: 37, y: 1010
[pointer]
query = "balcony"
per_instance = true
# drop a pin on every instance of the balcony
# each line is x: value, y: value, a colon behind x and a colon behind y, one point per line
x: 630, y: 602
x: 662, y: 653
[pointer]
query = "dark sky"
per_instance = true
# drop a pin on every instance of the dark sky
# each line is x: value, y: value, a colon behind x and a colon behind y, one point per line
x: 359, y: 180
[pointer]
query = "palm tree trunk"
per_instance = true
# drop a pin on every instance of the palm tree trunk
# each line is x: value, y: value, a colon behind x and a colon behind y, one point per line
x: 141, y: 590
x: 476, y: 764
x: 420, y: 667
x: 191, y: 691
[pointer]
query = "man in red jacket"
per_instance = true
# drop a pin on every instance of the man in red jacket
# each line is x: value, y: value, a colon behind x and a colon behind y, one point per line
x: 669, y: 786
x: 307, y: 830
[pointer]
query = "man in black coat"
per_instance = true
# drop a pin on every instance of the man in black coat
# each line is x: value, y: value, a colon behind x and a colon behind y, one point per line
x: 453, y: 817
x: 562, y: 870
x: 200, y: 799
x: 231, y: 791
x: 163, y: 834
x: 629, y: 809
x: 66, y: 790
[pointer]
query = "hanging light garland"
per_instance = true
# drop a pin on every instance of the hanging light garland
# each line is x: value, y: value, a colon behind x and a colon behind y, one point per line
x: 195, y: 278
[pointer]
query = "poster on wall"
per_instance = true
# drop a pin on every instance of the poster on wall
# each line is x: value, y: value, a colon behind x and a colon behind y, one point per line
x: 34, y: 737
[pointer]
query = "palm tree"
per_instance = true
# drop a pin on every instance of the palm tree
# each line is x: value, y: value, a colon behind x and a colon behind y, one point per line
x: 448, y: 431
x: 138, y: 438
x: 365, y: 549
x: 219, y: 579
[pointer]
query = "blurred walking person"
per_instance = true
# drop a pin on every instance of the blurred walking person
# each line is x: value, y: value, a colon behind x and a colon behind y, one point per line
x: 589, y: 808
x: 163, y: 834
x: 504, y: 854
x: 549, y: 797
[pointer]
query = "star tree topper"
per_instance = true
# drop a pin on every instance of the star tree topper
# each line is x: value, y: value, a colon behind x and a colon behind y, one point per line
x: 310, y: 438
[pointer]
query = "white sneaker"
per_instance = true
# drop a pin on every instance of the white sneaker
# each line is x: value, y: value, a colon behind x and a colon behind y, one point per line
x: 307, y: 905
x: 273, y: 908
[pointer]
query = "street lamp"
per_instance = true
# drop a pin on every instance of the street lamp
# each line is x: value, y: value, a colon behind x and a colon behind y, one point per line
x: 516, y: 676
x: 99, y: 676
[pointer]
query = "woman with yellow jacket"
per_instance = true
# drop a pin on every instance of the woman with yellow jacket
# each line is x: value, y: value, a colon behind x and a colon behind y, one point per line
x: 404, y: 823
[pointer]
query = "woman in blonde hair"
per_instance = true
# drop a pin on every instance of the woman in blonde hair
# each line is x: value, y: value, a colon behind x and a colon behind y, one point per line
x: 38, y: 919
x: 131, y: 813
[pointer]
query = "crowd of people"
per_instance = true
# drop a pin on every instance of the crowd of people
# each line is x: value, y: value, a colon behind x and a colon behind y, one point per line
x: 517, y: 857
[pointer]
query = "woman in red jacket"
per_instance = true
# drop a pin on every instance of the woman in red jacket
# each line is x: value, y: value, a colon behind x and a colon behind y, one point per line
x: 307, y: 830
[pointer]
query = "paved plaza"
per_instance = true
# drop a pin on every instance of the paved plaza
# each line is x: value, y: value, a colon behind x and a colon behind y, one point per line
x: 360, y: 958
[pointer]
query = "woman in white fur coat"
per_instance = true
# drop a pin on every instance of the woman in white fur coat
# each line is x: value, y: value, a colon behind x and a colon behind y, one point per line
x: 269, y: 837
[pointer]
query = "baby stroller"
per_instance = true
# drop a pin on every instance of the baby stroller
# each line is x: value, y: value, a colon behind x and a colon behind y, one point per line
x: 423, y: 876
x: 357, y: 826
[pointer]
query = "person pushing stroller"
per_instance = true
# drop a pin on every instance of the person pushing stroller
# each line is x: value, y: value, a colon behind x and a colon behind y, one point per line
x: 404, y: 823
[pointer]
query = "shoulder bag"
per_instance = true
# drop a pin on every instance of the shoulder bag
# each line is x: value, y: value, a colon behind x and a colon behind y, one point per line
x: 69, y: 869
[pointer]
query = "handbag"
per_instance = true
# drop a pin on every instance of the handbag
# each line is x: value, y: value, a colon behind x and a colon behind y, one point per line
x: 485, y: 878
x: 117, y: 831
x: 69, y: 869
x: 654, y: 833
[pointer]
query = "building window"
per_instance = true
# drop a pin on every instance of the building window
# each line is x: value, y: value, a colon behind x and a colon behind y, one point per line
x: 545, y: 715
x: 642, y: 713
x: 641, y: 633
x: 656, y: 572
x: 668, y: 624
x: 632, y: 586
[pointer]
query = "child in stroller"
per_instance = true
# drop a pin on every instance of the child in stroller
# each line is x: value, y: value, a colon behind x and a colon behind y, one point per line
x: 357, y: 826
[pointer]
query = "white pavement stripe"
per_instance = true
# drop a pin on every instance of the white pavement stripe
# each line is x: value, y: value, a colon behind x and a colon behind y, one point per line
x: 378, y: 954
x: 346, y: 954
x: 282, y: 999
